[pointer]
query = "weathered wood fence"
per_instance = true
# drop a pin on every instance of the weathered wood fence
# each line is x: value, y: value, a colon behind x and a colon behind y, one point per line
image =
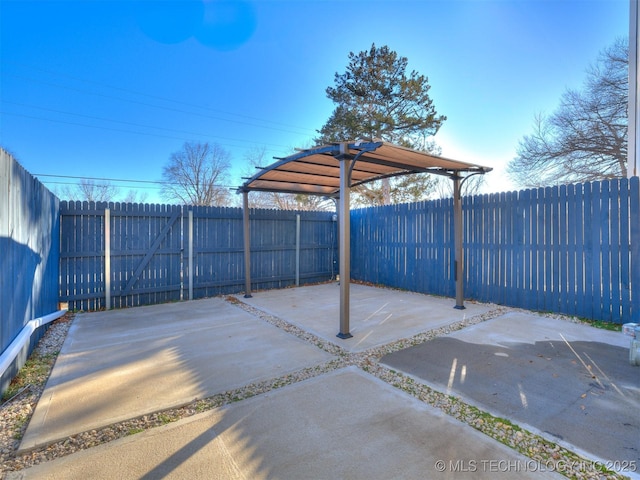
x: 572, y: 249
x: 122, y: 255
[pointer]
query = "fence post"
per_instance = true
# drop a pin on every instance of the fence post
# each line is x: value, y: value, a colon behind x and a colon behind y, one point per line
x: 190, y: 254
x: 247, y: 244
x: 297, y: 250
x: 107, y: 259
x: 633, y: 135
x: 634, y: 221
x: 457, y: 242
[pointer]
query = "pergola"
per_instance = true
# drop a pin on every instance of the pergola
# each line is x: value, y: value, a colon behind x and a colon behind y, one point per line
x: 332, y: 170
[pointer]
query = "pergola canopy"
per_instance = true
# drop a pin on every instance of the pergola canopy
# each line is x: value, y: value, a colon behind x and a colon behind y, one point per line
x: 332, y: 170
x: 316, y: 171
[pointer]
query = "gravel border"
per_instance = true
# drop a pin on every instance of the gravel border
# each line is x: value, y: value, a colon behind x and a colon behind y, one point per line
x: 16, y: 412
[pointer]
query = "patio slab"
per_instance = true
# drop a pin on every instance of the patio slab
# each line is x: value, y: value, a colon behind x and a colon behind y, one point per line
x: 345, y: 424
x: 121, y: 364
x: 377, y: 315
x: 571, y: 382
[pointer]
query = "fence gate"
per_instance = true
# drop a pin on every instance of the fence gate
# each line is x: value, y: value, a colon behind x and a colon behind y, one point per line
x: 119, y: 255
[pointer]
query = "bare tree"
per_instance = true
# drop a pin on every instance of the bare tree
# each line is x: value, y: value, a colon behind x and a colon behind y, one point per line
x: 585, y: 139
x: 471, y: 185
x: 196, y: 175
x: 134, y: 196
x: 91, y: 191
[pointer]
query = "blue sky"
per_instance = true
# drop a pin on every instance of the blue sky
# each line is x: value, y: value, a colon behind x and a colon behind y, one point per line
x: 109, y: 89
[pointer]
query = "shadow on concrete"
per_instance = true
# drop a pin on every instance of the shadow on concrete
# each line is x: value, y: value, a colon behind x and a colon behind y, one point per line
x: 122, y: 364
x: 582, y: 392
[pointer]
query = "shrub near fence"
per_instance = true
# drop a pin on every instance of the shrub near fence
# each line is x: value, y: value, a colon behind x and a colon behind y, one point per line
x: 151, y: 254
x: 572, y: 249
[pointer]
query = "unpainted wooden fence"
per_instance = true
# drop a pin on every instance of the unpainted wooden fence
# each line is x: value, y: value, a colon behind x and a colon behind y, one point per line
x: 572, y: 249
x: 122, y: 255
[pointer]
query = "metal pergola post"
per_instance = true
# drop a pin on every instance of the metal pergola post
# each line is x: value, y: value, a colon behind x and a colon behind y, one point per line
x: 457, y: 234
x: 344, y: 232
x: 247, y: 244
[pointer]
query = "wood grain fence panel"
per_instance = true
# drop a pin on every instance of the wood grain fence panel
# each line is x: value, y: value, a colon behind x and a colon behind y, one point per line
x: 615, y: 257
x: 605, y: 224
x: 468, y: 241
x: 556, y: 259
x: 581, y: 255
x: 634, y: 222
x: 594, y: 264
x: 571, y: 278
x: 492, y: 288
x: 625, y: 253
x: 538, y: 240
x: 29, y: 257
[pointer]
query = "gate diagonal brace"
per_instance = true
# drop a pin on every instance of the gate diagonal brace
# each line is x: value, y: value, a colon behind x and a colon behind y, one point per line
x: 147, y: 258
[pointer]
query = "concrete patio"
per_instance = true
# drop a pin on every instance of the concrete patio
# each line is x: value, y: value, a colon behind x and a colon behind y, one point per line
x: 341, y: 422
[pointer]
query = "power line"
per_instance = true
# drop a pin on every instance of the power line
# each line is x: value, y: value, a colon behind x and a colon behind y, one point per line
x: 104, y: 179
x: 302, y: 130
x: 138, y: 102
x: 121, y: 122
x: 137, y: 187
x: 113, y: 129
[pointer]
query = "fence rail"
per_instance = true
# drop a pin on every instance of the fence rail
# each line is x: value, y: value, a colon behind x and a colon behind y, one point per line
x: 122, y: 255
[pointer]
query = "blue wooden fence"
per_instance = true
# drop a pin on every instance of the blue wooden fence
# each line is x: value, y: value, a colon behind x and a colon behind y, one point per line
x: 29, y: 236
x: 573, y: 249
x: 150, y: 250
x: 407, y: 246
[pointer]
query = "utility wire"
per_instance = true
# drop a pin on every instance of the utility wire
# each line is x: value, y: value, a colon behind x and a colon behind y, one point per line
x: 136, y: 187
x: 138, y: 102
x: 157, y: 97
x: 113, y: 129
x: 301, y: 130
x: 104, y: 179
x: 92, y: 117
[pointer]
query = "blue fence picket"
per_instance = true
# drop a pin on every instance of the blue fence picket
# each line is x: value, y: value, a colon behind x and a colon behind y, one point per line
x: 614, y: 252
x: 565, y: 249
x: 624, y: 247
x: 607, y: 303
x: 634, y: 222
x: 570, y: 278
